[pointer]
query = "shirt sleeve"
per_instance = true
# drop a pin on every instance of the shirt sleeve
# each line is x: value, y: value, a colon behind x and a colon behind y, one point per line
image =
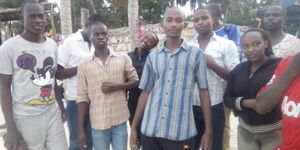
x: 230, y: 100
x: 82, y: 86
x: 6, y: 59
x: 63, y: 54
x: 148, y: 76
x: 130, y: 72
x: 201, y: 72
x: 231, y: 56
x: 279, y: 69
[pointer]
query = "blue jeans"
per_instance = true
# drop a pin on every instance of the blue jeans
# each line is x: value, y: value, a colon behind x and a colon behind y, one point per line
x: 116, y: 135
x: 218, y: 122
x: 73, y: 127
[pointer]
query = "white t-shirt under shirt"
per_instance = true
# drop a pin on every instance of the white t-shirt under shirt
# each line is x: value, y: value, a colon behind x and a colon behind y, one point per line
x: 73, y: 50
x: 289, y: 46
x: 32, y: 66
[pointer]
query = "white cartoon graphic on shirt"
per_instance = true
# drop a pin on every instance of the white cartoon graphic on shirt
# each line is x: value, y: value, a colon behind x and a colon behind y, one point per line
x: 42, y: 77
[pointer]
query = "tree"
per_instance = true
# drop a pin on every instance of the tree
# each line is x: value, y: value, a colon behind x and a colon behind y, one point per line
x: 65, y: 17
x: 133, y: 19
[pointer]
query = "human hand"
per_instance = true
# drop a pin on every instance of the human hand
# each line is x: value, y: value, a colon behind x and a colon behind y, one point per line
x: 11, y: 139
x: 109, y: 87
x: 81, y: 139
x: 206, y: 141
x: 133, y: 140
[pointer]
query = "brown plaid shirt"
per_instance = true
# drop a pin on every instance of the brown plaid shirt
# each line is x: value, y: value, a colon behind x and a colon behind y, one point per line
x: 106, y: 110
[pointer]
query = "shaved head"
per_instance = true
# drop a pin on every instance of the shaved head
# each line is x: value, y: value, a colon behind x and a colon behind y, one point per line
x: 174, y: 10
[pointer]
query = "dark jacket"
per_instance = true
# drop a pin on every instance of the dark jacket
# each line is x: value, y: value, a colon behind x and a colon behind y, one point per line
x: 245, y: 84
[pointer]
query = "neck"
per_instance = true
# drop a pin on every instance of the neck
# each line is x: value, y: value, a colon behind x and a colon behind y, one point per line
x: 276, y: 36
x: 35, y: 38
x: 205, y: 36
x: 140, y: 51
x: 173, y: 43
x: 258, y: 63
x: 101, y: 52
x: 217, y: 26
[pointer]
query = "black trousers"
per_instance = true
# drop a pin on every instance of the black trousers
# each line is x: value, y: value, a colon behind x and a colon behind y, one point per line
x: 153, y: 143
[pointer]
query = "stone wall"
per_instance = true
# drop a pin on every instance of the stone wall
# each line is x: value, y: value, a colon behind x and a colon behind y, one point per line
x: 119, y: 38
x: 120, y: 41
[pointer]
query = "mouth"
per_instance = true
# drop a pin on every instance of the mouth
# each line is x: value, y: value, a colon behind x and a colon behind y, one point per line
x: 252, y: 56
x: 142, y: 44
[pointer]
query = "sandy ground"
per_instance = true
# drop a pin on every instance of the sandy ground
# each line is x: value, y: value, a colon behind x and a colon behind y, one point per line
x: 233, y: 139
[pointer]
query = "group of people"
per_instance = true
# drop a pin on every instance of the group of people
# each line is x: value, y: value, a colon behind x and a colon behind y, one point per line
x: 173, y: 96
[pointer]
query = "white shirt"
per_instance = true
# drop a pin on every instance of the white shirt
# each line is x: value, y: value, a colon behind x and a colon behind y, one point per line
x: 73, y: 50
x: 225, y: 54
x: 289, y: 46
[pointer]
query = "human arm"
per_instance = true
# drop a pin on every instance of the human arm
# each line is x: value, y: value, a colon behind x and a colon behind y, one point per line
x: 138, y: 116
x: 206, y: 140
x: 13, y: 135
x: 282, y: 79
x: 82, y: 101
x: 230, y: 60
x: 220, y: 71
x: 64, y: 55
x: 63, y: 73
x: 59, y: 99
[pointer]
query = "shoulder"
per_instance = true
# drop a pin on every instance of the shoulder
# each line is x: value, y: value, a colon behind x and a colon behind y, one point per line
x: 241, y: 66
x: 50, y: 41
x: 224, y: 41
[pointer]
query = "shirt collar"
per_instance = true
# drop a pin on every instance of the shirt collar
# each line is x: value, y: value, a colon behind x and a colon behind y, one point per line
x: 111, y: 54
x: 195, y: 39
x: 78, y: 36
x: 184, y: 46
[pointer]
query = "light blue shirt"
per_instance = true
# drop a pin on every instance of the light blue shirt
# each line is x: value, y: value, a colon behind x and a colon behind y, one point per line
x: 170, y: 78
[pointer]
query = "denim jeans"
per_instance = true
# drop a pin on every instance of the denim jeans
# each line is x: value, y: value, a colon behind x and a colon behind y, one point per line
x: 218, y: 122
x: 73, y: 127
x: 116, y: 135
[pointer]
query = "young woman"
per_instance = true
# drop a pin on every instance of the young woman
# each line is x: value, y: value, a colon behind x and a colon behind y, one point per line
x: 255, y: 131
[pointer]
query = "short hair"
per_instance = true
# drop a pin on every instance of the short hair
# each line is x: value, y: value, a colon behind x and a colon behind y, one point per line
x: 264, y: 35
x: 215, y: 8
x: 25, y: 2
x: 96, y: 18
x: 275, y: 5
x: 156, y: 38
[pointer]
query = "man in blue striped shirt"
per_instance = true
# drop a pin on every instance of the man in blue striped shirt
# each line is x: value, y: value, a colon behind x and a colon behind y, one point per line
x: 168, y: 80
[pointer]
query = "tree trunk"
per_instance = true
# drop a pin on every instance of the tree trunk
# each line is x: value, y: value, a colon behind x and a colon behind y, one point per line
x: 93, y: 6
x: 84, y: 15
x: 65, y: 17
x: 133, y: 19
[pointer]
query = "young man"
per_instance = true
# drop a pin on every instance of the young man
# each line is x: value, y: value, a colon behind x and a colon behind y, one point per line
x: 101, y: 85
x: 71, y: 52
x: 168, y: 80
x: 283, y: 44
x: 27, y: 70
x: 283, y: 89
x: 221, y: 57
x: 230, y: 32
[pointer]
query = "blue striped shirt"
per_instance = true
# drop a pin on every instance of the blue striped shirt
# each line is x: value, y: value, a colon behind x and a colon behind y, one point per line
x: 170, y: 78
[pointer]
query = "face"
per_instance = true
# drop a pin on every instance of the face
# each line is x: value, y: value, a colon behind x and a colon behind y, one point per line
x: 254, y: 46
x: 273, y: 18
x: 173, y: 22
x: 34, y: 18
x: 214, y: 17
x: 99, y: 36
x: 202, y: 21
x: 147, y: 41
